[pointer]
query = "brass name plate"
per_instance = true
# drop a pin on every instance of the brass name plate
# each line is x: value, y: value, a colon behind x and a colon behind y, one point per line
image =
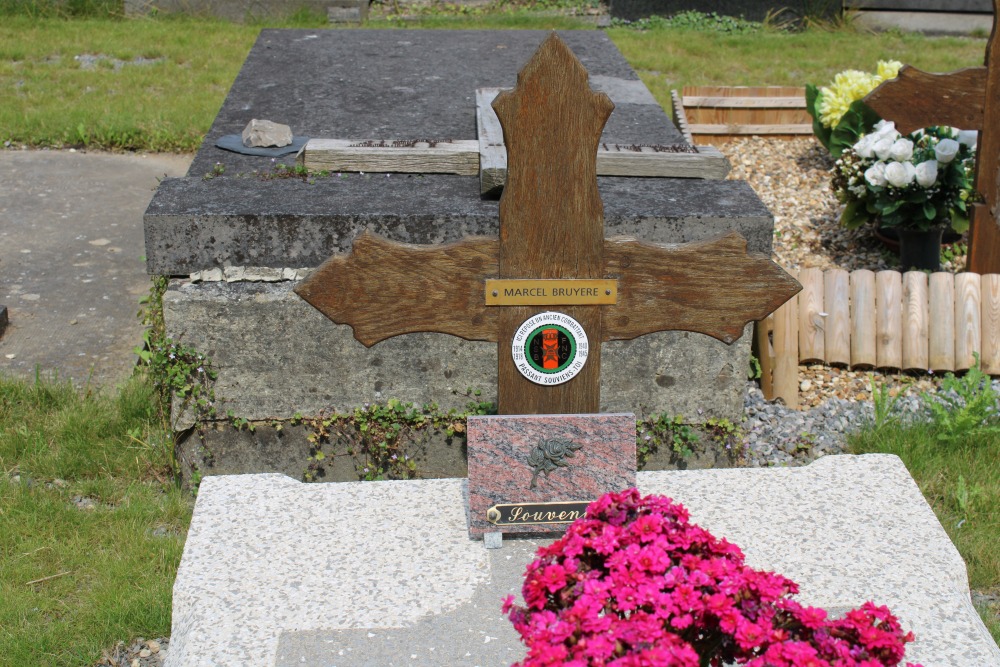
x: 582, y: 292
x: 530, y: 514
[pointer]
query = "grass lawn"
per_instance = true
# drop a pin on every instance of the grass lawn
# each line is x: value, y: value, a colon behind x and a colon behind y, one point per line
x: 157, y: 84
x: 91, y: 524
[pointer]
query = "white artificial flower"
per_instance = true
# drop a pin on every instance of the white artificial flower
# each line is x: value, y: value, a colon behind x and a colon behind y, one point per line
x: 902, y: 150
x: 927, y: 173
x: 968, y: 138
x: 946, y: 150
x: 886, y: 127
x: 875, y: 175
x: 882, y: 147
x: 900, y: 174
x: 864, y: 146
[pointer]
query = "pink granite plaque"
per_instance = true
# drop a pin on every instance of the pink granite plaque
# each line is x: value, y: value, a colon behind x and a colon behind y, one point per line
x: 524, y: 467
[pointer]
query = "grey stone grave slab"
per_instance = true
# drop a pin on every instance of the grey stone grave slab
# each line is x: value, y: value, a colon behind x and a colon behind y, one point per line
x: 276, y: 356
x: 277, y: 573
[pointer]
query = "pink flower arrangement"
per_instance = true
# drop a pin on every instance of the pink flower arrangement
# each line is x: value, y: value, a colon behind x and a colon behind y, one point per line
x: 634, y: 584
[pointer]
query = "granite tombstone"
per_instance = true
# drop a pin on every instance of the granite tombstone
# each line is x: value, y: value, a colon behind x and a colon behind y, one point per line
x: 237, y: 244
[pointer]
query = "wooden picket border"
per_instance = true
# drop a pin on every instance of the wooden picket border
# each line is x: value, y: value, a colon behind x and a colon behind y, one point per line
x: 886, y: 320
x: 716, y: 114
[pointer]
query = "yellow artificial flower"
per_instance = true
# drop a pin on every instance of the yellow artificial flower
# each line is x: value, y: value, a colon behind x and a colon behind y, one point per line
x: 888, y: 69
x: 849, y: 86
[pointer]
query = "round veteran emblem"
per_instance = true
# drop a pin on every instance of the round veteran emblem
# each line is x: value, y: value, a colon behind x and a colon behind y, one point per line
x: 550, y: 348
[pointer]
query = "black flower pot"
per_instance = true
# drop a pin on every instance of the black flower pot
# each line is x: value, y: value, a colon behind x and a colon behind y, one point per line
x: 920, y: 249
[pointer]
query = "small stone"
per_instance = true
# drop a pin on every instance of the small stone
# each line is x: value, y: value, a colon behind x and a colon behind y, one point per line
x: 266, y: 133
x: 805, y: 385
x: 136, y: 663
x: 153, y: 646
x: 145, y: 653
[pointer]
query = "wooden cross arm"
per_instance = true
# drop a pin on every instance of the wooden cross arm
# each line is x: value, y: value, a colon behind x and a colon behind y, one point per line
x: 916, y: 99
x: 384, y: 289
x: 710, y: 287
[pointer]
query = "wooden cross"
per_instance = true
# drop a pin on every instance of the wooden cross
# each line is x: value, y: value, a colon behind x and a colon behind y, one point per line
x: 551, y: 228
x: 968, y: 99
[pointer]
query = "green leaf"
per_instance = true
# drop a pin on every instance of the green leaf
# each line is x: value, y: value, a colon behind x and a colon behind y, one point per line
x: 813, y: 99
x: 859, y: 120
x: 929, y: 211
x: 959, y: 222
x: 854, y: 215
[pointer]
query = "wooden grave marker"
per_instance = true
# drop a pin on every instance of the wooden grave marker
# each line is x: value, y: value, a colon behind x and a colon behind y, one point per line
x: 551, y: 229
x: 551, y: 252
x: 968, y: 99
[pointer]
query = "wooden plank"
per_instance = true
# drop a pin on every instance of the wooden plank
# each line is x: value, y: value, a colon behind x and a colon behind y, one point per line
x: 888, y: 319
x: 407, y: 288
x: 735, y: 128
x: 837, y: 300
x: 941, y: 327
x: 914, y: 322
x: 967, y: 320
x: 686, y: 280
x: 492, y: 153
x: 916, y: 99
x: 644, y: 160
x: 745, y: 102
x: 551, y: 215
x: 679, y: 116
x: 984, y: 235
x: 812, y: 335
x: 984, y: 232
x: 786, y: 353
x: 990, y: 322
x: 863, y: 319
x: 396, y: 156
x: 464, y: 158
x: 763, y: 348
x: 653, y: 161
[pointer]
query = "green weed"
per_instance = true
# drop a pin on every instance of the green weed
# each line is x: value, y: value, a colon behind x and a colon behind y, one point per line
x: 961, y: 481
x: 92, y: 524
x: 964, y: 407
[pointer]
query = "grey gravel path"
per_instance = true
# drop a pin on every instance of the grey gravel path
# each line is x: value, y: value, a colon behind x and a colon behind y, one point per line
x: 71, y: 260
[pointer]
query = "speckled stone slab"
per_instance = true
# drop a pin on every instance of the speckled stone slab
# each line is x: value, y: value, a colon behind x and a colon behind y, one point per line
x: 277, y: 573
x: 600, y: 457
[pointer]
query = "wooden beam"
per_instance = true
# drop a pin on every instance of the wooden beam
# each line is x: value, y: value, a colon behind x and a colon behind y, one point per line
x: 551, y: 214
x: 492, y: 152
x: 383, y: 288
x: 398, y: 156
x: 744, y: 102
x: 679, y: 116
x: 984, y: 234
x: 916, y: 99
x: 736, y: 128
x: 612, y: 159
x: 710, y: 287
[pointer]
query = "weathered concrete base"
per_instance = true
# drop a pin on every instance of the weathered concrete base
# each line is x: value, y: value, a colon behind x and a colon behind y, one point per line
x: 277, y: 356
x: 388, y: 575
x: 931, y: 23
x: 221, y: 449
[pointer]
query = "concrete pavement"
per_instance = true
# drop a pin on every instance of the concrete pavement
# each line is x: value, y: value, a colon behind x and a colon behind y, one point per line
x: 71, y: 260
